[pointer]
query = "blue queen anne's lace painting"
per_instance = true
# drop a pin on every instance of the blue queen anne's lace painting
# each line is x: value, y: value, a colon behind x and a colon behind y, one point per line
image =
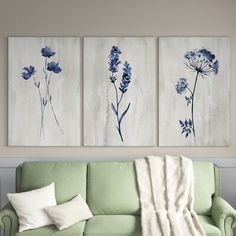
x: 44, y: 91
x: 202, y: 62
x: 194, y: 91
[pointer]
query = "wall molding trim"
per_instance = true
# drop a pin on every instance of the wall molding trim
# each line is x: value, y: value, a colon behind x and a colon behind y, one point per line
x: 223, y: 162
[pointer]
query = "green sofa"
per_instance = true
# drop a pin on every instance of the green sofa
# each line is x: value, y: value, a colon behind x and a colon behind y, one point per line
x: 110, y: 189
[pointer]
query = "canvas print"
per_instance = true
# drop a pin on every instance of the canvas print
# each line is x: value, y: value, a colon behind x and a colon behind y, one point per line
x: 194, y: 91
x: 44, y: 91
x: 119, y: 91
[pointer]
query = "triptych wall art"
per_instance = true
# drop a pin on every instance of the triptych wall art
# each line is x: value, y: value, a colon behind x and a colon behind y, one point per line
x: 109, y: 96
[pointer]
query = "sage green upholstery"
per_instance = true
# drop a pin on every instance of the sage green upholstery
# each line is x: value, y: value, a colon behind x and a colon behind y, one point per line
x: 204, y: 187
x: 109, y: 225
x: 8, y: 220
x: 223, y: 215
x: 74, y: 230
x: 209, y: 226
x: 111, y: 191
x: 115, y: 197
x: 106, y: 225
x: 69, y: 177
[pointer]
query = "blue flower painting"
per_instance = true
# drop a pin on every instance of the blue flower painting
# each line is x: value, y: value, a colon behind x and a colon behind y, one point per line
x: 113, y: 66
x: 119, y: 80
x: 202, y: 63
x: 50, y: 68
x: 44, y: 76
x: 194, y: 91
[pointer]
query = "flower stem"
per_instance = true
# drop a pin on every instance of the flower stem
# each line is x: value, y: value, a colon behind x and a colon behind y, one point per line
x: 117, y: 103
x: 192, y: 108
x: 120, y: 98
x: 42, y: 110
x: 120, y: 133
x: 55, y: 117
x: 48, y: 95
x: 117, y: 111
x: 190, y: 91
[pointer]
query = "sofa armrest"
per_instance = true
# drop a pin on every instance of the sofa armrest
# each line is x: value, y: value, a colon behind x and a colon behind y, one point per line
x: 223, y: 215
x: 8, y: 220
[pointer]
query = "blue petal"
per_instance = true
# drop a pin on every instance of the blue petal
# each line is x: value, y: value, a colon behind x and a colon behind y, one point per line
x: 47, y: 52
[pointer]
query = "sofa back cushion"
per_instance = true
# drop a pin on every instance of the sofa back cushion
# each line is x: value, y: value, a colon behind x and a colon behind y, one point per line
x: 113, y: 190
x: 204, y: 187
x: 69, y: 178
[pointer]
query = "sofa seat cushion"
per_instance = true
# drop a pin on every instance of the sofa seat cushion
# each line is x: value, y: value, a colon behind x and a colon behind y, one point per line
x: 51, y: 230
x: 128, y: 225
x: 209, y: 226
x: 108, y: 225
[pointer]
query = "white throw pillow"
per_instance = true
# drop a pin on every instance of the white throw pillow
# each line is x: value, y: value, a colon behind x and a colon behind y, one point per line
x: 69, y: 213
x: 29, y: 206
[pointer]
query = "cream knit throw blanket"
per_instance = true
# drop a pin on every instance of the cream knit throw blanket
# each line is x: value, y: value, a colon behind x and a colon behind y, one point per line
x: 166, y: 196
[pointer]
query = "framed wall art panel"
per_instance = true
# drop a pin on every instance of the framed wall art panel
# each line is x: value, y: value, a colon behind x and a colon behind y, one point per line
x: 194, y: 91
x: 119, y: 91
x: 44, y: 91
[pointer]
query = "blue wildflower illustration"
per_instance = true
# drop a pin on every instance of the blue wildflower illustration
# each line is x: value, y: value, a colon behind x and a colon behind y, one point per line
x: 44, y: 85
x: 54, y: 67
x: 126, y: 77
x: 203, y: 63
x: 113, y: 66
x: 28, y: 72
x: 181, y: 86
x: 114, y: 62
x: 47, y: 52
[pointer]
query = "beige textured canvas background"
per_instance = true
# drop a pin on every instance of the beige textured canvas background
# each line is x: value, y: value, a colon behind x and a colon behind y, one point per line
x: 114, y: 18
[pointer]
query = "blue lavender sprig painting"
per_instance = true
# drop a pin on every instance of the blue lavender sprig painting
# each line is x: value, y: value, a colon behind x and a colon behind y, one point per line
x: 202, y: 62
x: 43, y: 85
x: 113, y: 66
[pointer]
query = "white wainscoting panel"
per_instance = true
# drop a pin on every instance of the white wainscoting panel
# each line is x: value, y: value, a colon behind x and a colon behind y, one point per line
x: 7, y: 178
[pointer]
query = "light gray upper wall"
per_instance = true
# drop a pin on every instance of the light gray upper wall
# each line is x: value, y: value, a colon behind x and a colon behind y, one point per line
x: 114, y: 18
